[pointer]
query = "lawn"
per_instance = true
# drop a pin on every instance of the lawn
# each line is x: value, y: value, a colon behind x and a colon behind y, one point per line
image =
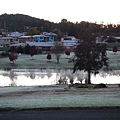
x: 40, y: 61
x: 58, y: 95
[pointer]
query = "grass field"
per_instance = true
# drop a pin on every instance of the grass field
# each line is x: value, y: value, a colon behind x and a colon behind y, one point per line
x: 58, y: 96
x: 40, y: 61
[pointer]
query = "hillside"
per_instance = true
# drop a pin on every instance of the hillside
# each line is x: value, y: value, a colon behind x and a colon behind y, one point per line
x: 20, y: 22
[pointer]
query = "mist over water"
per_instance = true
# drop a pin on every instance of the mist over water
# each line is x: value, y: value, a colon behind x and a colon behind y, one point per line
x: 37, y: 77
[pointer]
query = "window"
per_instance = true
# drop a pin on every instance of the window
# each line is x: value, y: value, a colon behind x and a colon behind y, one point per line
x: 11, y: 40
x: 41, y: 37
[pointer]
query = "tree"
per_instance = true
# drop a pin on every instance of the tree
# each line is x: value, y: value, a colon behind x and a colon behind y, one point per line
x: 33, y: 31
x: 20, y: 49
x: 32, y: 52
x: 49, y: 57
x: 27, y: 49
x: 90, y: 56
x: 13, y: 57
x: 115, y: 49
x: 59, y: 34
x: 67, y: 52
x: 13, y: 78
x: 58, y: 50
x: 12, y: 49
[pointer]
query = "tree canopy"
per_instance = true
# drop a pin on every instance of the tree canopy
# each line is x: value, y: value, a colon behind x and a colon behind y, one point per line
x: 33, y: 31
x: 90, y: 56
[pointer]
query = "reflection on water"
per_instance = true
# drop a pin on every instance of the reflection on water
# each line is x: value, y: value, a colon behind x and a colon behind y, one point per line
x: 30, y: 77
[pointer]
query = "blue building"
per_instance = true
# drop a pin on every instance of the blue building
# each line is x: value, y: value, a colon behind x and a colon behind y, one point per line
x: 43, y: 38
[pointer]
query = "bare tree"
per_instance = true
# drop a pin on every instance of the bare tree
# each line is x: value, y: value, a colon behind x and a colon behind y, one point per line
x: 58, y: 50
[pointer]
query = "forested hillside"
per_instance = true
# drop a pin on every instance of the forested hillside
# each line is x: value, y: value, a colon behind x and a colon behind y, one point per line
x: 21, y: 23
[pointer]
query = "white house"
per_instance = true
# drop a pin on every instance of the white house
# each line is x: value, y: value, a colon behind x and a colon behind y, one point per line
x: 68, y: 38
x: 6, y: 41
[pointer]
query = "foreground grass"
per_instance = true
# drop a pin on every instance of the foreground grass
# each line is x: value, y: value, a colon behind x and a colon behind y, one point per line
x: 58, y: 96
x: 40, y: 61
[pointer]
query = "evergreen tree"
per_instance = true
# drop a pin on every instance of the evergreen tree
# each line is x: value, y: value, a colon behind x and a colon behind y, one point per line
x: 90, y: 56
x: 27, y: 49
x: 20, y: 49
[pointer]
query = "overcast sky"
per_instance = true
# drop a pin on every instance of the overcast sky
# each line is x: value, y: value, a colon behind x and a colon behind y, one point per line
x: 72, y: 10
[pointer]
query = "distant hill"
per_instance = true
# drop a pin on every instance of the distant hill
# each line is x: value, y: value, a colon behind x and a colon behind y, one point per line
x: 20, y: 22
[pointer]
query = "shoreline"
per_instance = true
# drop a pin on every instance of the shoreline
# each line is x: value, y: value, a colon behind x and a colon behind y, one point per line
x: 60, y: 108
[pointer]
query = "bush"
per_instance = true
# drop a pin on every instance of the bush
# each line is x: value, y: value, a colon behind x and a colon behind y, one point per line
x: 101, y: 85
x: 4, y: 54
x: 78, y: 85
x: 82, y: 86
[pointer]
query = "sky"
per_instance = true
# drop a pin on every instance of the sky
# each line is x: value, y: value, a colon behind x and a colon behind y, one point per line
x: 98, y: 11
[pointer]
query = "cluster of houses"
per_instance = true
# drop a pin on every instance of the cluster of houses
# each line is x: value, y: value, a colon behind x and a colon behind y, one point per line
x: 43, y: 41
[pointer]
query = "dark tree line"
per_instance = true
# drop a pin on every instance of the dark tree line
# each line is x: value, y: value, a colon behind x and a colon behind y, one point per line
x: 23, y: 50
x: 21, y: 23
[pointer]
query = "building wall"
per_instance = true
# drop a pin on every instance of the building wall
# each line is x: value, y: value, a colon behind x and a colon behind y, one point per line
x: 6, y: 41
x: 42, y: 38
x: 38, y: 38
x: 51, y: 38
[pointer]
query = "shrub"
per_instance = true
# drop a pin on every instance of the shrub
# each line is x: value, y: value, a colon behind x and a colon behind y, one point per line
x: 49, y: 57
x: 101, y: 85
x: 4, y: 54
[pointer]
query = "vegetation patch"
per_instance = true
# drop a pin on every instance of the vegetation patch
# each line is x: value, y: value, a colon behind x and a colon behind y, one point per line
x: 101, y: 85
x: 78, y: 85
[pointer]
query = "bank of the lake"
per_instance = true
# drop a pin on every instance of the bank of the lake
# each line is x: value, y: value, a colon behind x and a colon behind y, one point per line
x: 58, y: 96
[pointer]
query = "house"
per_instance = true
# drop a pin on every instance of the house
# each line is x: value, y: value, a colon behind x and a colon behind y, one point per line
x: 69, y: 42
x: 45, y: 41
x: 117, y: 39
x: 6, y: 41
x: 49, y: 34
x: 42, y: 46
x: 3, y: 32
x: 16, y: 34
x: 68, y: 38
x: 24, y: 39
x: 43, y: 38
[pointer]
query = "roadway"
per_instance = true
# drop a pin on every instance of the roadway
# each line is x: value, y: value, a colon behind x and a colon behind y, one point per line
x: 81, y: 114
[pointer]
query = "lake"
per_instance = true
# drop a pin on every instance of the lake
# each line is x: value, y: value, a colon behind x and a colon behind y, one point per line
x: 38, y: 77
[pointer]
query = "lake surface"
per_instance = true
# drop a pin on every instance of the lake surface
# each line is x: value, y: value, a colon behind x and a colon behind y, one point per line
x: 33, y: 77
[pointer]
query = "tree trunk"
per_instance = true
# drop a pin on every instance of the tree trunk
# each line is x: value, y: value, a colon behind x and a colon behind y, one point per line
x: 57, y: 60
x: 13, y: 62
x: 89, y: 76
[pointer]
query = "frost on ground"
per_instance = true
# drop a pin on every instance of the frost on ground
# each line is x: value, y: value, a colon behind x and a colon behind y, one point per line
x: 58, y: 96
x: 40, y: 61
